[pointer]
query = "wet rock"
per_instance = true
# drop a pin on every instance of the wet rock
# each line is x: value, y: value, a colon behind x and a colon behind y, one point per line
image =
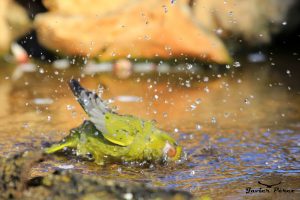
x: 141, y: 29
x: 14, y: 22
x: 69, y: 186
x: 13, y: 174
x: 15, y: 184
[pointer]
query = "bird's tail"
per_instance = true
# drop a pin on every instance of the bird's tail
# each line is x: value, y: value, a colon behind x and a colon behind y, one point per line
x: 69, y: 142
x: 93, y: 105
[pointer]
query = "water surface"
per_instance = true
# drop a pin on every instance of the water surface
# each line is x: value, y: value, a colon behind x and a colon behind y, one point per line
x: 238, y: 126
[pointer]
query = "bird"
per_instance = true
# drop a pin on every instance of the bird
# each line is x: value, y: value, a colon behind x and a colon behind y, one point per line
x: 111, y: 137
x: 268, y: 186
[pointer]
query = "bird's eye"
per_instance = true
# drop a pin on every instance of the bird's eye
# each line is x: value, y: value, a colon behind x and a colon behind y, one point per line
x: 169, y: 150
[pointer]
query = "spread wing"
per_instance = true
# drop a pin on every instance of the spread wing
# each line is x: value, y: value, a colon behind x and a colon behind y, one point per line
x: 93, y: 105
x: 117, y: 129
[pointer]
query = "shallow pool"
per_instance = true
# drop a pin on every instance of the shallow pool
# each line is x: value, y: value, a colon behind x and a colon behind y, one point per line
x: 238, y: 125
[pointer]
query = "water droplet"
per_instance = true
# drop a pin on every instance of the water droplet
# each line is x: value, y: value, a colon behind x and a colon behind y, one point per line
x: 205, y: 79
x: 187, y: 83
x: 109, y: 101
x: 219, y: 31
x: 26, y: 125
x: 198, y: 127
x: 236, y: 64
x: 70, y: 107
x: 284, y: 23
x: 247, y: 101
x: 213, y: 120
x: 193, y: 107
x: 41, y: 70
x: 119, y: 169
x: 198, y: 101
x: 206, y: 89
x: 128, y: 196
x: 189, y: 66
x: 43, y: 101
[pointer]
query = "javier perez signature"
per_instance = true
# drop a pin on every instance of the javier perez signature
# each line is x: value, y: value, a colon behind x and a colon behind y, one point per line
x: 268, y: 189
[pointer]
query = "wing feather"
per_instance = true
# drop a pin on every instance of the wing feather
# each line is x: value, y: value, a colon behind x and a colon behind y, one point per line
x: 118, y: 129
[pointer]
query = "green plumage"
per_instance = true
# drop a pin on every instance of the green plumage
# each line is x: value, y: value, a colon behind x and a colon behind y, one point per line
x: 110, y: 137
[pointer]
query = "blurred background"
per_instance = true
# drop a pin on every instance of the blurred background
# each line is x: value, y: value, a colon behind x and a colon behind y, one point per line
x: 211, y: 30
x: 221, y: 76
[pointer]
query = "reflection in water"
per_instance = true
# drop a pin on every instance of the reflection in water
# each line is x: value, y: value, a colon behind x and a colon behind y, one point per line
x: 237, y: 126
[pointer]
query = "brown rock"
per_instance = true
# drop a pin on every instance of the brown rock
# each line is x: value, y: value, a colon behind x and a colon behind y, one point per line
x: 145, y: 29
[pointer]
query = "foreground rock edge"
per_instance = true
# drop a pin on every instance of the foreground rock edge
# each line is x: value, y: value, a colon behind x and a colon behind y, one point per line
x: 15, y: 184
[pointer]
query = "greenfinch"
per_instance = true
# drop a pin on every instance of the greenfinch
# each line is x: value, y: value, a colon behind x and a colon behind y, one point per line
x: 110, y: 137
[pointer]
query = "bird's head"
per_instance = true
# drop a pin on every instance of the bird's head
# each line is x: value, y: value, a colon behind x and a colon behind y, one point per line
x: 165, y: 146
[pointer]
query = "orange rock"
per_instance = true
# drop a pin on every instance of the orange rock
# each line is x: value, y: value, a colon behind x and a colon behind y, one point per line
x: 146, y: 29
x: 93, y: 7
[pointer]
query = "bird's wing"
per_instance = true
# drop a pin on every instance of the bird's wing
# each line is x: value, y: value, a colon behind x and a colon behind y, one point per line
x: 117, y: 129
x: 92, y: 104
